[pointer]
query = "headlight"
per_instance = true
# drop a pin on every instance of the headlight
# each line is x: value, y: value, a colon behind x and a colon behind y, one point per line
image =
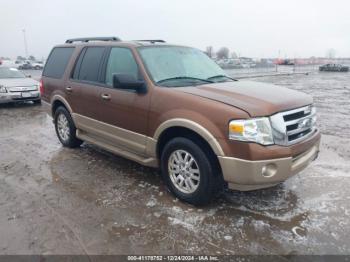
x: 3, y: 89
x: 256, y: 130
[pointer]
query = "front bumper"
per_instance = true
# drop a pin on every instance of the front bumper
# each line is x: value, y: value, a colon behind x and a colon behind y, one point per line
x: 19, y: 96
x: 245, y: 175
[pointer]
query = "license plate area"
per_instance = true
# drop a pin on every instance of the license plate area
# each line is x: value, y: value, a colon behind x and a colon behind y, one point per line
x: 27, y: 94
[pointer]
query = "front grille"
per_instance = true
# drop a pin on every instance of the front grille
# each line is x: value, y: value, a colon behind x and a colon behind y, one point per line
x: 293, y: 126
x: 22, y: 89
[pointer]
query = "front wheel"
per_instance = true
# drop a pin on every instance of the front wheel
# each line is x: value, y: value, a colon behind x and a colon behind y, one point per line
x: 188, y: 171
x: 65, y: 128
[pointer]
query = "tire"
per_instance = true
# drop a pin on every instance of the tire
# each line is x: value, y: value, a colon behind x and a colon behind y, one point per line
x: 37, y: 102
x: 205, y: 187
x: 65, y: 128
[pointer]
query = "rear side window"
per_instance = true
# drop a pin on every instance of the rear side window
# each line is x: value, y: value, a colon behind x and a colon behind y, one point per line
x: 88, y: 65
x: 57, y: 62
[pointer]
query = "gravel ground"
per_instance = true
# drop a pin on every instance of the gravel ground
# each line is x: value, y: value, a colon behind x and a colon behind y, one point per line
x: 86, y: 201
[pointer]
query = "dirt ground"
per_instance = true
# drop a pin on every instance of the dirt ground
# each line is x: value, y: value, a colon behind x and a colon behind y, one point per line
x: 86, y: 201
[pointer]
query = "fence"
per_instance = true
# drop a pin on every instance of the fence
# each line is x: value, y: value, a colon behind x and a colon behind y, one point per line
x: 271, y: 70
x: 277, y: 69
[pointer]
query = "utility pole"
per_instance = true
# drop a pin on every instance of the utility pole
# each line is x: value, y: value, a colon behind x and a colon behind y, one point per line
x: 25, y: 43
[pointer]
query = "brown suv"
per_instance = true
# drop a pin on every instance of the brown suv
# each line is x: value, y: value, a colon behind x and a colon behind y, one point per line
x: 172, y: 107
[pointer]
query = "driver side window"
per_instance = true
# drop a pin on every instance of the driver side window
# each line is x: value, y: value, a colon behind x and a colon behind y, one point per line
x: 120, y: 61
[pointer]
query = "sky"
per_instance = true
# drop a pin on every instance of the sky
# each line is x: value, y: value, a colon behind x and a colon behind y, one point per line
x: 255, y: 28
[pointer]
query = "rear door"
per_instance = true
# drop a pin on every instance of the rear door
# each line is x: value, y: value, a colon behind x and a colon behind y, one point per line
x: 83, y: 86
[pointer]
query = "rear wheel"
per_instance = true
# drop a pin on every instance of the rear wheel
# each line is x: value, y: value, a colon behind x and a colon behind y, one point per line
x: 65, y: 128
x: 188, y: 171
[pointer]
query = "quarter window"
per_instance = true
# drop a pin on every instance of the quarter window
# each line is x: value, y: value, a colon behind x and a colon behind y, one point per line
x: 121, y: 61
x: 57, y: 62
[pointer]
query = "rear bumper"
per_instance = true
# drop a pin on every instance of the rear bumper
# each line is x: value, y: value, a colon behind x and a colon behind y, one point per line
x: 19, y: 96
x: 248, y: 175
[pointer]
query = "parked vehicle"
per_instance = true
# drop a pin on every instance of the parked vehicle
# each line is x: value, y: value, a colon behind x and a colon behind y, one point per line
x: 27, y: 65
x: 31, y: 65
x: 172, y: 107
x: 334, y: 68
x: 15, y: 86
x: 38, y: 65
x: 285, y: 62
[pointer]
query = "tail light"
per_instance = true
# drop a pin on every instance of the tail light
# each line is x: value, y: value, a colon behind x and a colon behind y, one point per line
x: 41, y: 87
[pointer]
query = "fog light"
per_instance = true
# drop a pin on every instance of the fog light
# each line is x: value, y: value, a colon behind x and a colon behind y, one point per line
x: 269, y: 170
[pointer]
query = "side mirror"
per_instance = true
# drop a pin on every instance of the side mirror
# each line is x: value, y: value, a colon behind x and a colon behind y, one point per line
x: 128, y: 81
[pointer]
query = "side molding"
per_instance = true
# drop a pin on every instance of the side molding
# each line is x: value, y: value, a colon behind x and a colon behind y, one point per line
x: 117, y: 140
x: 182, y: 122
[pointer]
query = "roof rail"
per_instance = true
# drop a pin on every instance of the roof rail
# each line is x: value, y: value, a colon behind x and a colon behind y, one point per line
x: 87, y: 39
x: 151, y: 41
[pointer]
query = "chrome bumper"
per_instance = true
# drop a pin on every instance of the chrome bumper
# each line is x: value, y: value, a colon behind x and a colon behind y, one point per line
x: 19, y: 96
x: 245, y: 175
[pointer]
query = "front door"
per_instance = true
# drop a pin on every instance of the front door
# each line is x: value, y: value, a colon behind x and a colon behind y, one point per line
x: 124, y: 111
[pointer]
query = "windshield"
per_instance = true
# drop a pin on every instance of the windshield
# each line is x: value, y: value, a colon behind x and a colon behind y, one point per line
x: 10, y: 73
x: 180, y: 66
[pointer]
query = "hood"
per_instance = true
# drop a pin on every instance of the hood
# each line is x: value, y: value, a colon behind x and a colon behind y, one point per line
x: 12, y: 82
x: 255, y: 98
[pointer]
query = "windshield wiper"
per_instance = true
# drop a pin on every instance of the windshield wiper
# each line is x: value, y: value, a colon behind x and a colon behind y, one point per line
x: 219, y: 76
x: 185, y: 77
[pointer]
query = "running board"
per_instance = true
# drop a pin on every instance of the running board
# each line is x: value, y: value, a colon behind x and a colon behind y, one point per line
x: 151, y: 162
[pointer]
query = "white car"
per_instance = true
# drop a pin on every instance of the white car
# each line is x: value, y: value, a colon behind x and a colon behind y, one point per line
x: 38, y: 65
x: 15, y: 86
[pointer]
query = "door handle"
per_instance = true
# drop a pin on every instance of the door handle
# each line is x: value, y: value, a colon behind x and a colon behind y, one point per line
x: 69, y: 89
x: 106, y: 97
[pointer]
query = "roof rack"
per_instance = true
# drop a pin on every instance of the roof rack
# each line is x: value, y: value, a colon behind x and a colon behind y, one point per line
x: 87, y: 39
x: 151, y: 41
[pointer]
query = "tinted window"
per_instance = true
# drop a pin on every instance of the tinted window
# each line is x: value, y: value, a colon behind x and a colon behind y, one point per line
x: 90, y: 65
x: 58, y: 61
x: 121, y: 61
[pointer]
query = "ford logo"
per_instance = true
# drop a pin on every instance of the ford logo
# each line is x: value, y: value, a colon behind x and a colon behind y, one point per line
x: 305, y: 123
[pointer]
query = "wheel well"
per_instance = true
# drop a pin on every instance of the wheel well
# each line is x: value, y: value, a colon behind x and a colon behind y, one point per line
x: 173, y: 132
x: 56, y: 105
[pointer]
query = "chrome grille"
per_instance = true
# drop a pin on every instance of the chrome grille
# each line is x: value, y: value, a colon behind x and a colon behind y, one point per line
x: 293, y: 126
x: 22, y: 88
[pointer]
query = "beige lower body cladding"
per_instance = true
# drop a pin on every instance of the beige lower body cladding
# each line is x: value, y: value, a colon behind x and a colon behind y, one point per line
x: 245, y: 175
